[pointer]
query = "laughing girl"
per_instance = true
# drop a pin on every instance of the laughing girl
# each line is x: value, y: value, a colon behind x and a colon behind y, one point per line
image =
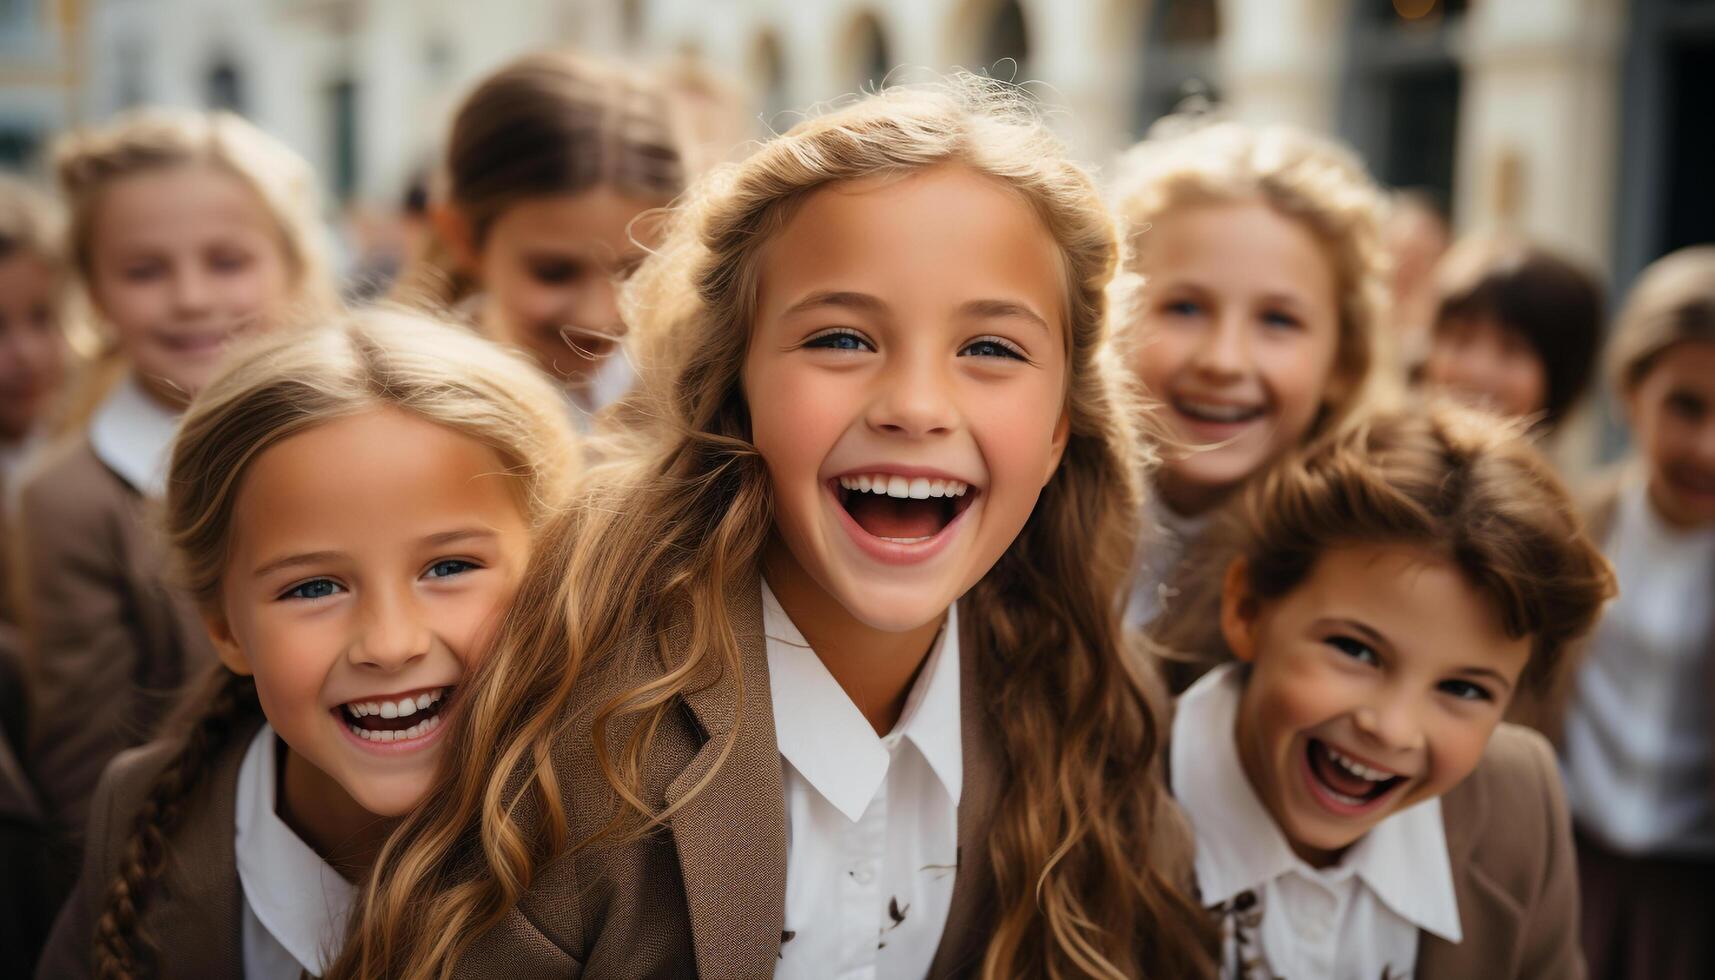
x: 187, y: 229
x: 1359, y: 814
x: 1259, y: 286
x: 827, y: 679
x: 352, y: 510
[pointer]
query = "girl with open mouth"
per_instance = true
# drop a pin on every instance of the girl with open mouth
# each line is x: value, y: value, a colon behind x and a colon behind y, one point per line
x: 829, y: 679
x: 353, y: 508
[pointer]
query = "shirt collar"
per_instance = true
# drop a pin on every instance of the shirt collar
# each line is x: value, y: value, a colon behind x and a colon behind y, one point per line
x: 133, y: 434
x: 1403, y: 859
x: 298, y: 897
x: 827, y: 739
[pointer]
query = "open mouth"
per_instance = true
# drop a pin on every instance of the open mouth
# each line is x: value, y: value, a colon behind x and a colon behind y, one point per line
x: 1217, y: 413
x: 396, y: 718
x: 902, y: 510
x: 1344, y: 781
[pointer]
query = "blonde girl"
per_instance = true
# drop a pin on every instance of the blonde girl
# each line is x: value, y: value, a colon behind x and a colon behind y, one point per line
x: 345, y: 611
x: 739, y: 725
x: 186, y: 230
x: 33, y: 351
x: 550, y: 162
x: 1255, y: 285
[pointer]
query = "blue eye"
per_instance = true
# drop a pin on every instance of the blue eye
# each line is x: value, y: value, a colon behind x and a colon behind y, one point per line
x: 1183, y: 307
x: 449, y: 568
x: 316, y: 588
x: 839, y: 340
x: 1275, y: 318
x: 1356, y: 649
x: 992, y: 347
x: 1466, y: 691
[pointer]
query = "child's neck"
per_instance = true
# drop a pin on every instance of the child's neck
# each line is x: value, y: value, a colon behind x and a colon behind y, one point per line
x: 874, y: 667
x: 324, y: 816
x: 1256, y: 770
x: 1190, y: 499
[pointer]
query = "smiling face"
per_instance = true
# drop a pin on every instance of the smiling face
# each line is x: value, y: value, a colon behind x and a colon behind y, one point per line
x: 1488, y: 364
x: 359, y: 603
x: 1238, y: 333
x: 1672, y: 409
x: 32, y: 348
x: 1373, y: 686
x: 906, y: 380
x: 182, y: 260
x: 549, y: 266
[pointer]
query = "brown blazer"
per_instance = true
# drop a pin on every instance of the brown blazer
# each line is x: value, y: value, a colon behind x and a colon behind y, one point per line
x: 1509, y: 840
x: 109, y: 643
x: 706, y: 896
x: 195, y: 916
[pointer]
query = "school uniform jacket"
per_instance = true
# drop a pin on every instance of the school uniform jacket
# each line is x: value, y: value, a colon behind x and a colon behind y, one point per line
x: 706, y: 896
x: 1509, y: 842
x: 109, y: 644
x: 195, y: 913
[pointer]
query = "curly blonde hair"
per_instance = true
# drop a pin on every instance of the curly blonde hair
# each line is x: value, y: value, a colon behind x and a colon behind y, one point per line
x: 1303, y: 177
x: 668, y: 530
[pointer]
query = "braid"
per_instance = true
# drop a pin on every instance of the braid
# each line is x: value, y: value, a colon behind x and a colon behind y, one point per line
x: 122, y: 950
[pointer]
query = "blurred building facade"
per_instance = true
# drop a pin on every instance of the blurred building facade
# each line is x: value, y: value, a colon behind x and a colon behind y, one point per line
x: 1579, y: 122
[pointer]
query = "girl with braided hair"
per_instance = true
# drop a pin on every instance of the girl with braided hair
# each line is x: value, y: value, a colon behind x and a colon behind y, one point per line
x: 351, y: 509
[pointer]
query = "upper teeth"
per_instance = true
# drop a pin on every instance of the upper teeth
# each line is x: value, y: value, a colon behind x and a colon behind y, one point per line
x: 395, y: 709
x: 1357, y: 768
x: 917, y: 488
x: 1216, y: 412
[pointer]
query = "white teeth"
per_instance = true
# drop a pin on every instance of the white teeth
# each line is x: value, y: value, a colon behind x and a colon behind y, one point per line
x: 904, y: 540
x: 1216, y: 413
x: 1357, y: 768
x: 389, y: 709
x: 424, y: 700
x: 915, y: 488
x: 405, y: 708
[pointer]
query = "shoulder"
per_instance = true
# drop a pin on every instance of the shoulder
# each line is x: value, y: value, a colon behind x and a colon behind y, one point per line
x: 1506, y: 816
x: 69, y: 480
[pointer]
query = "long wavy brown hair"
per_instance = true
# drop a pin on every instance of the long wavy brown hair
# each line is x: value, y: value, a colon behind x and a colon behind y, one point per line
x: 1087, y: 853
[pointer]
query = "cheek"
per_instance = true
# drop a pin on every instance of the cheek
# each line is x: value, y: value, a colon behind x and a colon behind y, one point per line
x: 1162, y: 352
x: 1456, y: 747
x: 797, y: 417
x: 1014, y: 428
x: 1298, y: 370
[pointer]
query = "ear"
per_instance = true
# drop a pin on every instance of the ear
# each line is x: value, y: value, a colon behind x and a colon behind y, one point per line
x: 1239, y: 609
x: 225, y: 643
x: 1057, y: 443
x: 455, y: 230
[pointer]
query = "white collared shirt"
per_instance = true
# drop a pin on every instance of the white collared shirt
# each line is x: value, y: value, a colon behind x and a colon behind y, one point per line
x: 872, y: 823
x: 133, y: 434
x: 1637, y: 757
x: 295, y: 903
x: 1282, y: 917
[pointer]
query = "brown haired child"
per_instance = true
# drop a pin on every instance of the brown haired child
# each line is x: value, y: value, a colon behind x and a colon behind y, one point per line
x: 1358, y: 812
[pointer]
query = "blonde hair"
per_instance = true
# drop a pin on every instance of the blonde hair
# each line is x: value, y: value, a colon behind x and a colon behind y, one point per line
x: 29, y: 223
x: 280, y: 386
x: 1452, y: 480
x: 1302, y: 177
x: 549, y: 123
x: 1672, y: 302
x: 670, y: 531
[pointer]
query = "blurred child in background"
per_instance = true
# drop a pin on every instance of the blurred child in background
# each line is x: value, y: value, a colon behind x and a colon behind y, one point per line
x: 1636, y: 723
x: 1517, y: 329
x: 550, y: 162
x: 1257, y: 324
x: 1417, y: 236
x: 187, y: 230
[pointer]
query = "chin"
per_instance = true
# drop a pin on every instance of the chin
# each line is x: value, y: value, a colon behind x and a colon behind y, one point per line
x: 895, y: 607
x: 390, y: 798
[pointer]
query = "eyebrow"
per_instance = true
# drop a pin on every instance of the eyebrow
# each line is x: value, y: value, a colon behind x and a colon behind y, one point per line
x: 436, y: 540
x: 1367, y: 632
x: 998, y: 308
x: 844, y: 299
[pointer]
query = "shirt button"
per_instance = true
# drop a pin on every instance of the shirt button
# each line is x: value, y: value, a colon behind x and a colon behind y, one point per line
x: 863, y: 872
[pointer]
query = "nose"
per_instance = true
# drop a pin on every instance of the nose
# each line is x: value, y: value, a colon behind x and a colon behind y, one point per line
x: 1391, y: 722
x: 1704, y: 446
x: 913, y: 397
x: 391, y: 634
x: 1224, y: 354
x: 192, y: 291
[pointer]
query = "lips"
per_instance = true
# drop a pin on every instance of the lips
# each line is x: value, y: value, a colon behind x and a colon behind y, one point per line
x: 395, y: 720
x: 1216, y: 412
x: 901, y: 517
